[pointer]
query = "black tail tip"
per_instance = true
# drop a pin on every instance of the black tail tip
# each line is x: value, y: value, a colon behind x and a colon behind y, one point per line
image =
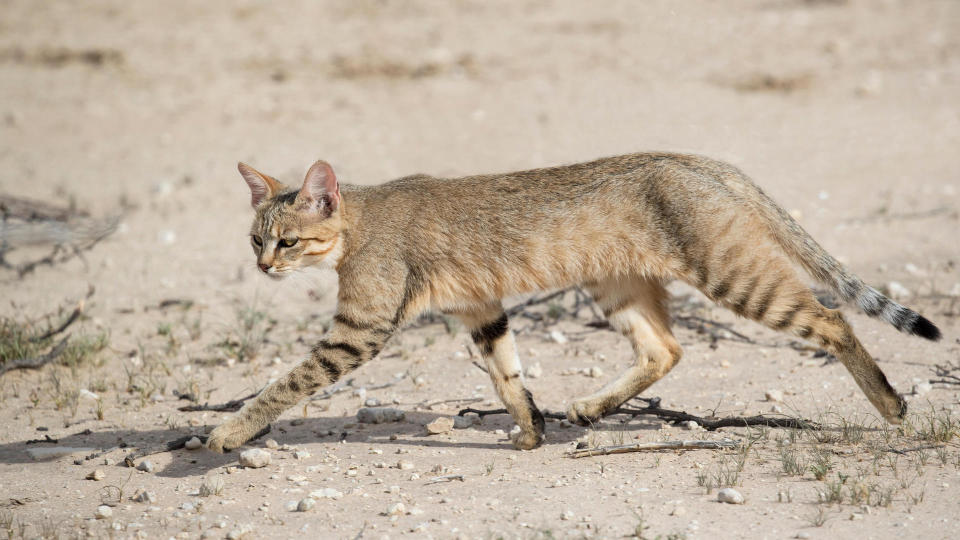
x: 925, y: 329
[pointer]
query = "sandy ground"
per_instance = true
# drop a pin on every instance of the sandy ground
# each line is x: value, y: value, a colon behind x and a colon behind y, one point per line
x: 845, y: 111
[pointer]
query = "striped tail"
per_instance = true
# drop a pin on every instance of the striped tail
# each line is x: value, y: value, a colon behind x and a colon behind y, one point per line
x: 804, y: 250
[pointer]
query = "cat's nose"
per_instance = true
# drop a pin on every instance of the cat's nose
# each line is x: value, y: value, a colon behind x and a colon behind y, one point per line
x: 263, y: 267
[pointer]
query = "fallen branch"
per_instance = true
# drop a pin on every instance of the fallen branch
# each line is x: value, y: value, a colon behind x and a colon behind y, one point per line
x: 653, y: 446
x: 947, y: 373
x: 66, y: 324
x: 712, y: 424
x: 176, y: 444
x: 230, y: 406
x: 447, y: 478
x: 38, y: 362
x: 674, y: 417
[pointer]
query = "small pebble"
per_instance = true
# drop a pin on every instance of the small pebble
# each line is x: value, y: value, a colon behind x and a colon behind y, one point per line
x: 775, y: 396
x: 96, y: 475
x: 443, y: 424
x: 290, y: 506
x: 144, y: 496
x: 558, y: 337
x: 145, y: 466
x: 404, y: 465
x: 567, y: 515
x: 379, y: 415
x: 397, y: 509
x: 301, y: 454
x: 464, y: 422
x: 272, y: 444
x: 690, y: 425
x: 254, y: 458
x: 326, y: 493
x: 730, y: 495
x: 372, y: 402
x: 594, y: 372
x: 534, y: 371
x: 306, y: 504
x: 103, y: 512
x: 193, y: 444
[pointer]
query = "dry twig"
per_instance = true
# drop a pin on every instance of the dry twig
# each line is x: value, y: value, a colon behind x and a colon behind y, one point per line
x: 653, y: 446
x: 36, y: 362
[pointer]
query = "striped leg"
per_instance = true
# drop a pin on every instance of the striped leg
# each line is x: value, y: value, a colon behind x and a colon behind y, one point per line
x: 637, y: 308
x: 349, y: 344
x: 490, y: 331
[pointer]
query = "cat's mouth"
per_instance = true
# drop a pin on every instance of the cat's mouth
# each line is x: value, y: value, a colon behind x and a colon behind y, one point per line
x: 276, y: 274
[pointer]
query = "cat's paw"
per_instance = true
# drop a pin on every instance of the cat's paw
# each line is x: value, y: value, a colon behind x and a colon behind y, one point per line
x: 526, y: 440
x: 583, y: 413
x: 231, y: 434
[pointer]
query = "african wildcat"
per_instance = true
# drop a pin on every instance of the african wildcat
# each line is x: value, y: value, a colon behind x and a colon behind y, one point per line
x: 621, y: 227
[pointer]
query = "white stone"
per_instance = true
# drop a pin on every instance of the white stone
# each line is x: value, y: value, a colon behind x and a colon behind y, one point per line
x: 567, y: 515
x: 440, y: 425
x: 372, y: 402
x: 775, y: 396
x: 96, y: 475
x: 272, y: 444
x: 326, y: 493
x: 730, y: 496
x: 397, y: 509
x: 558, y: 337
x: 84, y: 393
x: 404, y: 465
x: 534, y: 371
x: 290, y: 506
x: 103, y: 512
x: 897, y: 291
x: 254, y: 458
x: 301, y: 454
x: 193, y: 444
x: 594, y: 372
x: 306, y: 504
x: 690, y: 425
x: 145, y: 466
x: 922, y: 388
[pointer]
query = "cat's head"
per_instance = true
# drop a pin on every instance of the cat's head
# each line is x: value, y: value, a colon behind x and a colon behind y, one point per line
x: 294, y: 229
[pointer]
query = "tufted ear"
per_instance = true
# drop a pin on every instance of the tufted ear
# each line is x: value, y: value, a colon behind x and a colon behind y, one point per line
x: 261, y: 186
x: 320, y: 188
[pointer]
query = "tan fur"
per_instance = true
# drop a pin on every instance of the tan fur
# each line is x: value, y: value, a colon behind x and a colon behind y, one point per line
x: 620, y: 226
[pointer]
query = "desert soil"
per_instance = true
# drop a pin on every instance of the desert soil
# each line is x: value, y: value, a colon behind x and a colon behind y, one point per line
x: 844, y: 111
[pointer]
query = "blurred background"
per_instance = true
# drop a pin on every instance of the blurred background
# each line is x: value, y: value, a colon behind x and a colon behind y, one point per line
x: 843, y: 110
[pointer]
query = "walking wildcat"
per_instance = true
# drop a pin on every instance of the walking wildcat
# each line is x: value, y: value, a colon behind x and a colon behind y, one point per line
x: 620, y: 226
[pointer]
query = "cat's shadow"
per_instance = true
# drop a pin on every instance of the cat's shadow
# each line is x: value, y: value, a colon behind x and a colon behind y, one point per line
x: 304, y: 433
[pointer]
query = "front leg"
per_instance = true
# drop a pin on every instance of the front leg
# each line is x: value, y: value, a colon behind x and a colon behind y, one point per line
x: 348, y: 345
x: 490, y: 331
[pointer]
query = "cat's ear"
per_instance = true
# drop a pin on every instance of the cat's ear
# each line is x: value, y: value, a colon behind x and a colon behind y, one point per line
x: 320, y: 188
x: 261, y: 186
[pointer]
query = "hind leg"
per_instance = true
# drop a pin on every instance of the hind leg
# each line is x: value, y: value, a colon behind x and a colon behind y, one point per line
x: 830, y: 330
x: 637, y: 309
x: 490, y: 331
x: 779, y: 300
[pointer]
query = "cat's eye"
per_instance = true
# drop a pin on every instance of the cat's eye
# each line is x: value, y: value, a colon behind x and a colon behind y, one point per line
x: 288, y: 242
x: 256, y: 240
